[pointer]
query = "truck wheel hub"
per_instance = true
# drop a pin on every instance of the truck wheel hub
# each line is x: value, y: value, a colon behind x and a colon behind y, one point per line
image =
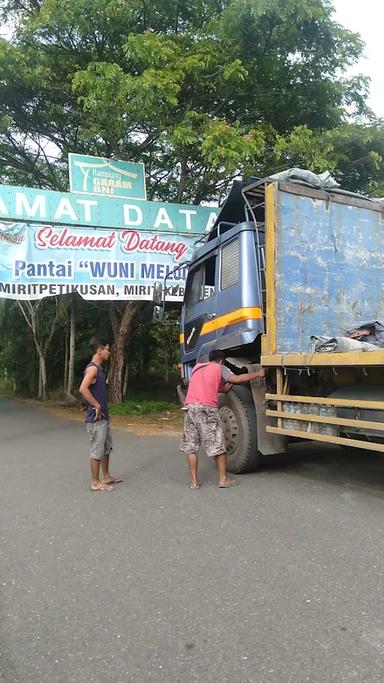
x: 231, y: 429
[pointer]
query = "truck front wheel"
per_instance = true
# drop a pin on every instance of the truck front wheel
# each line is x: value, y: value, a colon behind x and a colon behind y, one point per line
x: 238, y: 414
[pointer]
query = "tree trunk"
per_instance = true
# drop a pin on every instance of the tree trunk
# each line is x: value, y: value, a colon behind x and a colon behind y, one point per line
x: 122, y: 317
x: 72, y: 349
x: 30, y: 314
x: 66, y: 355
x: 43, y: 377
x: 125, y: 385
x: 116, y: 371
x: 40, y: 387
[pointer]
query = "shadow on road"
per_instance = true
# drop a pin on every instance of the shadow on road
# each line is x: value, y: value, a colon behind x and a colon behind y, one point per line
x: 332, y: 465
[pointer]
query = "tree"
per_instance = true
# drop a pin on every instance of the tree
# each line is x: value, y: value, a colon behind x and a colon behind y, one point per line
x: 358, y: 154
x: 122, y: 317
x: 17, y: 352
x: 70, y: 350
x: 42, y: 319
x: 200, y: 91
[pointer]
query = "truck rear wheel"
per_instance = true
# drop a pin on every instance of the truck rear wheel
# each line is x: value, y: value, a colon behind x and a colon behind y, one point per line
x: 237, y: 411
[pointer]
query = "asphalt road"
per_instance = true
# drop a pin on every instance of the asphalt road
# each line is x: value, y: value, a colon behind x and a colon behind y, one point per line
x: 277, y: 580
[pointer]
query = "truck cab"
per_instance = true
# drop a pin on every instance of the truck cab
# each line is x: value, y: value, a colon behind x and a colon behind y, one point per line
x: 223, y: 308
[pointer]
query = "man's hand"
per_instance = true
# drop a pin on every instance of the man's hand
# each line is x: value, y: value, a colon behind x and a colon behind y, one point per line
x: 227, y: 387
x: 98, y: 413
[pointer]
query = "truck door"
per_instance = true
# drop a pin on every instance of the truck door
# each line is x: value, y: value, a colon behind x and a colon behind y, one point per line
x: 199, y: 329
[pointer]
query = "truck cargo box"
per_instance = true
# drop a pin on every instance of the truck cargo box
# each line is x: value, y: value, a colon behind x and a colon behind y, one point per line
x: 324, y: 266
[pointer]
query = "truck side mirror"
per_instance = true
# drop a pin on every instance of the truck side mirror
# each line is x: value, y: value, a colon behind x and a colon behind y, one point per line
x: 158, y: 314
x: 157, y: 293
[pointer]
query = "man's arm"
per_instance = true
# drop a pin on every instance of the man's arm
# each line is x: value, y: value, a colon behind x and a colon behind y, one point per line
x: 246, y: 377
x: 90, y: 378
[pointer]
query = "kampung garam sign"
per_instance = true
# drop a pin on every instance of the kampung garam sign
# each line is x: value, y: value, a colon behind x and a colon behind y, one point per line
x: 97, y: 175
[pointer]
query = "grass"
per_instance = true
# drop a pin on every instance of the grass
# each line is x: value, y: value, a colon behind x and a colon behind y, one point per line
x: 150, y: 415
x: 147, y: 399
x: 143, y: 406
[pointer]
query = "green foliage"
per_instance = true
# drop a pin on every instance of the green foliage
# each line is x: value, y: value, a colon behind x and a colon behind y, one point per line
x: 18, y: 367
x: 154, y: 349
x: 358, y: 154
x: 226, y: 146
x: 143, y: 407
x: 18, y: 362
x: 200, y: 91
x: 304, y: 148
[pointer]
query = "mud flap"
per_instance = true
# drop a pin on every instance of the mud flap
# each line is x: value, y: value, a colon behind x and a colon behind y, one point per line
x: 267, y: 444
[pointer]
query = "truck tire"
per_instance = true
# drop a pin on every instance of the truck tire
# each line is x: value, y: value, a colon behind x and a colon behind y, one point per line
x: 237, y: 411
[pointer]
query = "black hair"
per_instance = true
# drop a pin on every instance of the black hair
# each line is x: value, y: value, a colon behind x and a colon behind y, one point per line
x: 97, y: 342
x: 216, y: 356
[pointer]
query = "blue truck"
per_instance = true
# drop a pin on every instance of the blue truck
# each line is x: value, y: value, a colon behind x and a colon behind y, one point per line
x: 284, y: 263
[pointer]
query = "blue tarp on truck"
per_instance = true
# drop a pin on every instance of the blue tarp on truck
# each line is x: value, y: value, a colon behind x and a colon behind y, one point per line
x: 329, y: 264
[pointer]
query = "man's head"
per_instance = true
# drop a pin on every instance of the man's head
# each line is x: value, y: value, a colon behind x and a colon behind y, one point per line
x: 100, y: 347
x: 217, y: 356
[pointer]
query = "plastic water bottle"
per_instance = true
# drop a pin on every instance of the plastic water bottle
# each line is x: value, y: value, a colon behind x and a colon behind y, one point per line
x: 322, y: 413
x: 296, y: 408
x: 332, y: 412
x: 286, y: 409
x: 327, y: 411
x: 287, y: 422
x: 304, y: 409
x: 313, y: 427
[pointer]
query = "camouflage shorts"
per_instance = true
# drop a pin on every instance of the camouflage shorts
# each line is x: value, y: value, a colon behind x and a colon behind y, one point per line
x: 203, y: 427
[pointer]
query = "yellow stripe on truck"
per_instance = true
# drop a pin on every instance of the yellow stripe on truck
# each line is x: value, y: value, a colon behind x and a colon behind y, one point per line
x: 229, y: 319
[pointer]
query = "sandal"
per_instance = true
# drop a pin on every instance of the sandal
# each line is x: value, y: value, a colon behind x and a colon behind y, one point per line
x: 104, y: 487
x: 228, y: 484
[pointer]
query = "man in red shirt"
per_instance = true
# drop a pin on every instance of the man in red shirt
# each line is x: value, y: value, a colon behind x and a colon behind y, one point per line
x: 202, y: 425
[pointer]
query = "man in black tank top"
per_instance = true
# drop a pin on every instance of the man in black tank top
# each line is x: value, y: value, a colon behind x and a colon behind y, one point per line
x: 94, y: 389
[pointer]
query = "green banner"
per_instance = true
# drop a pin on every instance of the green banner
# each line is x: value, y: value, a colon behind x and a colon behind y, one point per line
x: 110, y: 177
x: 46, y: 206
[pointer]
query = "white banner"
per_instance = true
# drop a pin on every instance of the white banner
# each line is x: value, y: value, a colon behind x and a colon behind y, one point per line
x: 40, y: 260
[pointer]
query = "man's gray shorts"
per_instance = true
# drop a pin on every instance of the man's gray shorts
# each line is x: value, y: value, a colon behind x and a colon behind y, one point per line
x: 203, y: 427
x: 100, y: 438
